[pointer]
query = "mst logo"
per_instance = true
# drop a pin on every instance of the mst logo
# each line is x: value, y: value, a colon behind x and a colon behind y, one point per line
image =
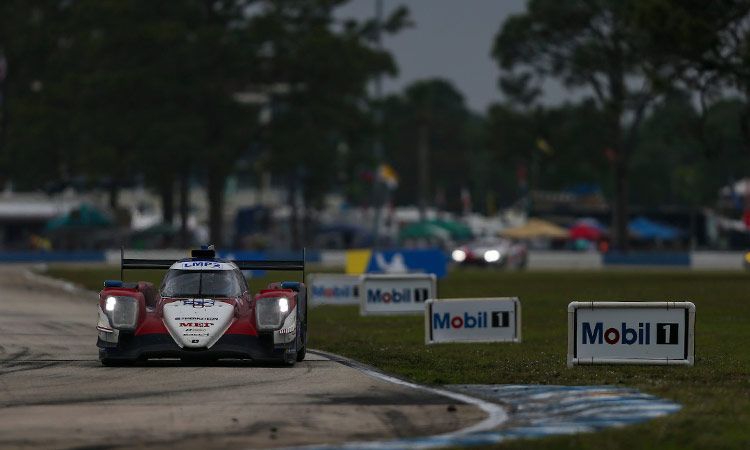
x: 500, y: 319
x: 196, y: 324
x: 397, y: 296
x: 666, y: 334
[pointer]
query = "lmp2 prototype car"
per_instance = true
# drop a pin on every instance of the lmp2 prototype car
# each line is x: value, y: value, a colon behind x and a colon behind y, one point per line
x: 202, y: 311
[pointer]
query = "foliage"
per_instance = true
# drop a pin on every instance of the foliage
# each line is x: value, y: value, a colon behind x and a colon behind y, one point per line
x: 116, y: 91
x: 108, y: 93
x: 454, y: 137
x: 591, y: 44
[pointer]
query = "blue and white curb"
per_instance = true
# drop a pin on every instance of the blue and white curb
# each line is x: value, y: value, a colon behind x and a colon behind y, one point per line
x: 536, y: 411
x: 545, y: 410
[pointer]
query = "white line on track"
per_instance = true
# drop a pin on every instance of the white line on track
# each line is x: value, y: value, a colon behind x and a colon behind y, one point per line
x: 496, y: 414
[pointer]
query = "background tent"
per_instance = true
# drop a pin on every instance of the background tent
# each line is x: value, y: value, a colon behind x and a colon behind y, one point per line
x: 457, y: 230
x: 423, y: 230
x: 85, y: 216
x: 536, y: 228
x: 643, y: 228
x: 589, y: 229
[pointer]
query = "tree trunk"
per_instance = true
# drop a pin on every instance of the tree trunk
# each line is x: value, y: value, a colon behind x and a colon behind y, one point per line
x: 294, y: 218
x: 423, y: 169
x: 216, y: 208
x: 745, y: 124
x: 4, y: 126
x: 167, y: 200
x: 117, y: 175
x: 620, y: 210
x: 184, y: 207
x: 114, y: 193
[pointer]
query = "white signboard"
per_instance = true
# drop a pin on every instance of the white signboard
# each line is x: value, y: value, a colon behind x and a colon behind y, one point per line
x: 395, y: 294
x: 333, y: 289
x: 473, y: 320
x: 631, y: 333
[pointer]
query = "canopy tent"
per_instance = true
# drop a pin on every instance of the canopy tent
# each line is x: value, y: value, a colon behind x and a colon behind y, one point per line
x: 423, y: 230
x: 588, y: 229
x: 85, y: 216
x: 643, y: 228
x: 457, y: 230
x: 438, y: 228
x: 536, y: 228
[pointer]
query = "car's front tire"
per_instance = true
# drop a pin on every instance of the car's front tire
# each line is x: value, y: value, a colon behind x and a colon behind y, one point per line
x: 301, y: 353
x: 114, y: 362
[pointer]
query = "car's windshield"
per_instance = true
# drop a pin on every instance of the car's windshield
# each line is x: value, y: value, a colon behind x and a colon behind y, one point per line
x: 201, y: 283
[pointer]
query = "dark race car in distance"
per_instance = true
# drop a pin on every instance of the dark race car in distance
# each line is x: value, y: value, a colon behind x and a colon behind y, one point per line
x: 203, y: 310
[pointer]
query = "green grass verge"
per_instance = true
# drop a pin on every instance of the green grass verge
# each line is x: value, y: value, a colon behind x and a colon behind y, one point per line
x: 715, y: 393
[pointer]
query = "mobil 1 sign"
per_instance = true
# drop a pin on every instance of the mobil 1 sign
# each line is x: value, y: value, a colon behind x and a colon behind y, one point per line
x: 631, y: 333
x: 473, y: 320
x: 395, y: 294
x: 333, y: 289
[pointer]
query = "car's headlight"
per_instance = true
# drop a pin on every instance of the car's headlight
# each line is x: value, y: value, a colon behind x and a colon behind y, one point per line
x: 122, y: 312
x: 491, y: 256
x: 458, y: 255
x: 271, y: 312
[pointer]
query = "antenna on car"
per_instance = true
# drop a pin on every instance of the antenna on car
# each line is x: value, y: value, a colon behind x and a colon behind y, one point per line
x: 304, y: 251
x: 122, y: 268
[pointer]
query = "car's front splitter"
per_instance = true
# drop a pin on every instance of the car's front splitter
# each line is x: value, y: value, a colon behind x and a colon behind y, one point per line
x: 161, y: 345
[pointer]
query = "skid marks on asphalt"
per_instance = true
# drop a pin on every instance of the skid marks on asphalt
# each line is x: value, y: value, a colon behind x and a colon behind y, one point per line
x: 541, y: 410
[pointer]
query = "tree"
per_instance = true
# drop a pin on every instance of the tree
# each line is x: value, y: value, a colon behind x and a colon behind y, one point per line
x: 160, y: 94
x: 316, y: 72
x: 434, y: 143
x: 571, y: 137
x: 587, y: 44
x: 37, y: 94
x: 703, y: 50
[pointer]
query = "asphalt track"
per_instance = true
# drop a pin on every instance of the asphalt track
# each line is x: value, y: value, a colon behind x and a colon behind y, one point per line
x: 55, y: 394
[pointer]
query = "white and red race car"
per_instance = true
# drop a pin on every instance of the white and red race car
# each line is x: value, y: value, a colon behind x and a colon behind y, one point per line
x: 203, y: 310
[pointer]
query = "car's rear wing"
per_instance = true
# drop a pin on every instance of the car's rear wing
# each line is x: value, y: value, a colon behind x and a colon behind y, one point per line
x: 139, y: 263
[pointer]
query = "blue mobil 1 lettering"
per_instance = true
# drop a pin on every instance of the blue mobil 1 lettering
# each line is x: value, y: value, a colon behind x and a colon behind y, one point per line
x: 396, y: 296
x: 332, y: 292
x: 500, y: 319
x: 666, y: 333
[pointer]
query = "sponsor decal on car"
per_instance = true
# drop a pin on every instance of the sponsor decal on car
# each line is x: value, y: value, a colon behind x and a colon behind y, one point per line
x: 201, y: 264
x: 195, y: 318
x: 196, y: 324
x: 199, y: 303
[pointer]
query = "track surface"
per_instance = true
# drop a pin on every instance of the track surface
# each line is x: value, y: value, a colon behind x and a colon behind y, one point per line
x: 55, y: 394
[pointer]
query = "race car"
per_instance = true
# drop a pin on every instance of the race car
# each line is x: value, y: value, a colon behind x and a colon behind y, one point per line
x: 203, y: 310
x: 492, y: 252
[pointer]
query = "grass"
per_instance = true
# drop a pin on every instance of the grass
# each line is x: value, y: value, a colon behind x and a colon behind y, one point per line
x: 715, y: 392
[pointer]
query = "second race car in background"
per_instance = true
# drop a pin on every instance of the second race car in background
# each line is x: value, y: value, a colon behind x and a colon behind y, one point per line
x: 495, y: 252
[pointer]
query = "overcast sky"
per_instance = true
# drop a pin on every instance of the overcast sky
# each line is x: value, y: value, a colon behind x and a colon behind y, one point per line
x: 451, y: 39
